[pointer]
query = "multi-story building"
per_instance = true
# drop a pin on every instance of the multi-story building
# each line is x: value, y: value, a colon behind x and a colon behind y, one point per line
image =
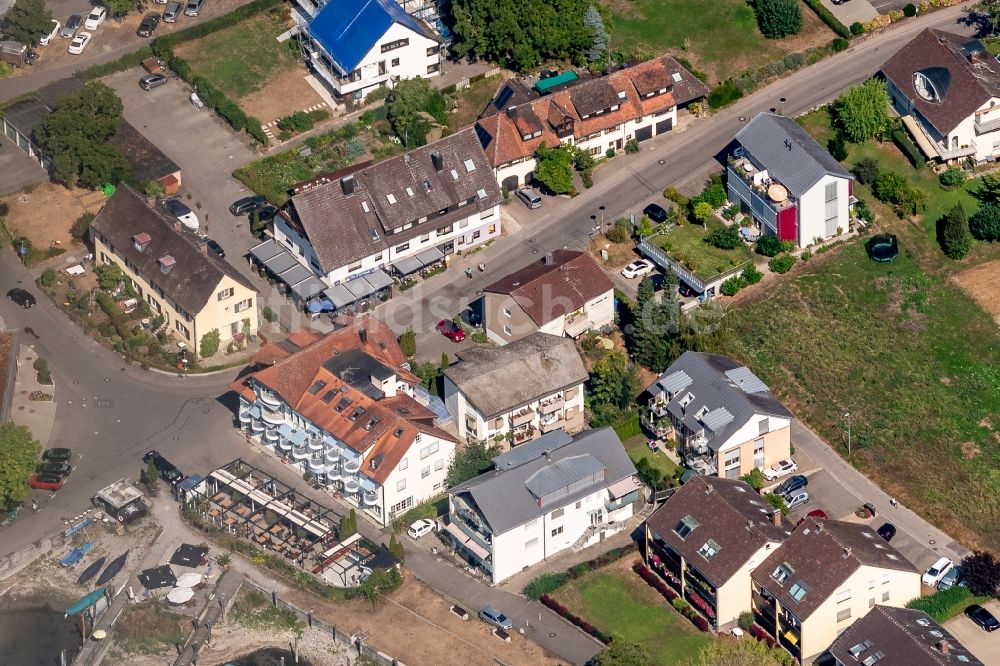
x: 554, y: 493
x: 343, y: 408
x: 722, y: 417
x: 565, y: 293
x: 173, y: 272
x: 597, y: 114
x: 827, y: 575
x: 358, y: 46
x: 516, y: 392
x: 344, y: 234
x: 707, y: 538
x: 946, y: 88
x: 787, y: 183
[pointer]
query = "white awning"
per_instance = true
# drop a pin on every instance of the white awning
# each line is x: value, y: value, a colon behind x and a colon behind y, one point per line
x: 467, y: 541
x: 578, y: 326
x: 622, y: 488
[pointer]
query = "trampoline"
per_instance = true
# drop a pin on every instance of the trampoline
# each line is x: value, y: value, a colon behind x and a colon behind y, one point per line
x: 883, y: 247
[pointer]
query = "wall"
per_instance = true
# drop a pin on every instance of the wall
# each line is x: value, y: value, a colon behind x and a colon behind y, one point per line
x: 733, y: 597
x: 777, y: 443
x: 495, y: 319
x: 459, y: 408
x: 417, y: 487
x: 222, y: 314
x: 812, y: 210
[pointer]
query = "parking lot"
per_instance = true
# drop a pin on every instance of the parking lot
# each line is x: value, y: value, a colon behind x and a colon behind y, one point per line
x: 982, y: 644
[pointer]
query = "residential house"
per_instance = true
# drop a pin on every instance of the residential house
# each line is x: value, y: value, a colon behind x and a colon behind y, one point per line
x: 516, y: 392
x: 787, y: 183
x: 358, y: 46
x: 889, y: 635
x: 173, y: 272
x: 722, y: 417
x: 343, y: 234
x: 946, y: 88
x: 554, y: 493
x: 827, y: 575
x: 596, y: 114
x: 707, y: 538
x: 564, y: 293
x: 344, y: 409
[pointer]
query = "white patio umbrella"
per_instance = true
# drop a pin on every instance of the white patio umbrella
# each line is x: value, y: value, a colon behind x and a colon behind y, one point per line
x: 180, y: 595
x: 188, y: 580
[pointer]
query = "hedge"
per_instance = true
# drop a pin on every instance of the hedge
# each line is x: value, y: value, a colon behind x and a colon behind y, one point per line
x: 904, y: 144
x: 945, y: 604
x: 656, y: 582
x: 127, y: 61
x: 827, y: 17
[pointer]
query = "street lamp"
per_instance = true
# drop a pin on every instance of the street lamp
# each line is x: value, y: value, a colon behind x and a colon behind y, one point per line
x: 782, y: 100
x: 847, y: 415
x: 602, y: 208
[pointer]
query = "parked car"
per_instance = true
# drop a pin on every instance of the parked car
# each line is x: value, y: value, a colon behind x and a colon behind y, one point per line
x: 421, y: 527
x: 181, y: 212
x: 57, y: 455
x: 72, y: 25
x: 982, y: 617
x: 79, y: 43
x: 951, y: 579
x: 685, y: 291
x: 151, y: 81
x: 529, y: 197
x: 216, y: 248
x: 172, y: 11
x: 54, y: 469
x: 492, y: 616
x: 45, y: 39
x: 797, y: 499
x: 780, y: 469
x: 818, y: 514
x: 22, y: 297
x: 265, y: 213
x: 168, y: 471
x: 247, y: 205
x: 193, y: 7
x: 451, y: 330
x: 937, y: 571
x: 46, y: 481
x: 790, y: 485
x: 655, y: 212
x: 638, y: 268
x: 95, y: 18
x: 148, y: 25
x: 887, y: 531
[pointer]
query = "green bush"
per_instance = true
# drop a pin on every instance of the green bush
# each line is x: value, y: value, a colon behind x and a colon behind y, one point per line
x: 732, y: 286
x: 768, y: 245
x: 300, y: 121
x: 724, y: 94
x: 631, y: 146
x: 751, y: 275
x: 951, y: 177
x: 836, y: 147
x: 902, y: 141
x: 674, y: 195
x: 781, y: 264
x: 269, y: 314
x: 910, y: 10
x: 857, y: 29
x: 839, y: 44
x: 725, y: 238
x: 778, y: 18
x: 866, y: 170
x: 620, y: 231
x: 944, y: 604
x: 48, y: 278
x: 209, y: 343
x: 985, y: 223
x: 714, y: 194
x: 827, y: 17
x: 127, y: 61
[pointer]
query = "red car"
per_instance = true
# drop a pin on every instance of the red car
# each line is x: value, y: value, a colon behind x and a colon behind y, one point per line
x: 46, y: 482
x: 451, y: 330
x: 818, y: 514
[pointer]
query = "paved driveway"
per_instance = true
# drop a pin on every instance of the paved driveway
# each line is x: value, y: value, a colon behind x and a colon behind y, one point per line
x: 861, y: 11
x: 981, y: 644
x: 17, y: 170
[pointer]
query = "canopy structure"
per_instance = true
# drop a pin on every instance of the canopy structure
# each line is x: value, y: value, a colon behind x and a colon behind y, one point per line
x: 180, y: 595
x: 189, y: 555
x: 339, y: 296
x: 360, y: 288
x: 407, y: 265
x: 429, y: 256
x: 158, y: 577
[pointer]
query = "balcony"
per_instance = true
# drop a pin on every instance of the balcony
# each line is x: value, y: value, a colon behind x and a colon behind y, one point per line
x: 955, y: 153
x: 300, y: 453
x: 549, y: 424
x: 316, y: 465
x: 269, y: 401
x: 551, y: 405
x: 660, y: 427
x: 522, y: 417
x: 257, y: 427
x: 333, y: 472
x: 245, y: 417
x: 315, y: 446
x: 524, y: 435
x: 472, y: 528
x: 284, y: 445
x: 352, y: 465
x: 272, y: 436
x: 759, y: 182
x: 332, y: 456
x: 351, y: 485
x: 273, y: 418
x: 370, y: 497
x: 658, y: 407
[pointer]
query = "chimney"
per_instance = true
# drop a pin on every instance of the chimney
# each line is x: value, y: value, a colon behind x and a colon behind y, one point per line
x: 363, y: 334
x: 943, y: 646
x: 548, y: 259
x: 776, y: 517
x: 847, y: 552
x: 347, y: 185
x: 437, y: 160
x: 511, y: 111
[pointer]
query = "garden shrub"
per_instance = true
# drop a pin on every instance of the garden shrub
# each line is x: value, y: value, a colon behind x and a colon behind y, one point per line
x: 732, y: 286
x: 724, y: 94
x: 781, y: 264
x: 673, y: 194
x: 80, y: 230
x: 768, y: 245
x: 751, y: 275
x: 951, y: 177
x: 746, y: 620
x: 866, y: 170
x: 545, y: 584
x: 631, y: 146
x: 943, y: 604
x: 48, y: 278
x: 300, y: 121
x: 725, y: 238
x: 806, y: 255
x: 620, y: 231
x: 827, y: 17
x: 269, y: 314
x: 857, y: 28
x: 839, y: 44
x: 985, y: 223
x: 902, y: 141
x: 910, y: 10
x: 778, y: 18
x: 715, y: 195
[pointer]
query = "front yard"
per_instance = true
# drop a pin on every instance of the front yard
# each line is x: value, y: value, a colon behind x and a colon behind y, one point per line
x: 638, y: 449
x: 686, y: 244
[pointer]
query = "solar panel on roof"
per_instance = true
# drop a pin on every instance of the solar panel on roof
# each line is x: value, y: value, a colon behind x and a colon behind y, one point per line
x: 746, y: 380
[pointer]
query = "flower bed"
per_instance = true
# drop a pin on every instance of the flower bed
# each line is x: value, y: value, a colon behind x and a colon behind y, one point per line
x: 761, y: 634
x: 655, y: 581
x: 564, y: 612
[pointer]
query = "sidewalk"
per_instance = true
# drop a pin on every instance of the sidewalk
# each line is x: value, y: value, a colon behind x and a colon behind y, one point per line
x: 38, y: 415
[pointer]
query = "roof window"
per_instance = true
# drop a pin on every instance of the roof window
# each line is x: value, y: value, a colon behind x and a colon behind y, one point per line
x: 454, y: 175
x: 342, y: 404
x: 782, y: 572
x: 317, y: 387
x: 481, y: 192
x: 686, y: 400
x: 677, y: 77
x: 859, y: 648
x: 799, y: 591
x: 409, y: 191
x: 364, y: 206
x: 686, y: 525
x: 427, y: 186
x: 871, y: 660
x: 358, y: 411
x: 470, y: 166
x: 391, y: 198
x: 709, y: 549
x: 621, y: 94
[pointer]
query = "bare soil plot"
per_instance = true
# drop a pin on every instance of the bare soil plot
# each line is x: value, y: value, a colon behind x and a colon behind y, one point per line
x: 283, y: 96
x: 981, y: 283
x: 45, y: 214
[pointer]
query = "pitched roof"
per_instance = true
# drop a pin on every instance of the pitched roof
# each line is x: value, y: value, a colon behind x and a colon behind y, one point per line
x: 348, y: 29
x: 496, y: 380
x: 820, y: 556
x: 546, y: 291
x: 510, y: 496
x: 195, y: 276
x: 726, y: 393
x: 363, y: 212
x: 146, y: 161
x: 902, y: 636
x: 944, y: 59
x: 726, y: 511
x: 638, y: 90
x: 789, y: 154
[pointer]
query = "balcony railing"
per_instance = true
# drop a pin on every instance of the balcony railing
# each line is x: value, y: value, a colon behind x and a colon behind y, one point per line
x: 547, y: 425
x: 658, y: 407
x: 737, y: 169
x: 522, y: 417
x: 988, y: 126
x: 955, y: 153
x: 551, y: 405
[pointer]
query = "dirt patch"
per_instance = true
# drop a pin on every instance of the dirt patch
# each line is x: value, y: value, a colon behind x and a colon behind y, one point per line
x: 45, y: 214
x: 283, y: 96
x: 971, y: 450
x: 619, y: 254
x: 985, y: 423
x: 980, y: 283
x: 946, y: 381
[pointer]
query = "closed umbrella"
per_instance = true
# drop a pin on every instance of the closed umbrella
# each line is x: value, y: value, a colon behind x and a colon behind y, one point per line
x: 188, y: 580
x: 180, y: 595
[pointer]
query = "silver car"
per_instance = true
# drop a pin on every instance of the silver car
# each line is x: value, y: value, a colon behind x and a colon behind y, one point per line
x: 172, y: 11
x: 72, y: 25
x: 193, y: 7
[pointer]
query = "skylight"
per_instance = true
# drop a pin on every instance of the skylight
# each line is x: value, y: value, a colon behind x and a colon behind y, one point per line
x: 799, y: 591
x: 677, y: 77
x: 482, y: 193
x: 409, y: 191
x: 364, y: 206
x: 470, y: 166
x: 709, y: 549
x: 391, y: 198
x: 686, y: 525
x: 454, y: 175
x: 859, y: 648
x: 873, y: 659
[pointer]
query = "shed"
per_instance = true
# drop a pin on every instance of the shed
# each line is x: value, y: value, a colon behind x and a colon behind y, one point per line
x: 546, y: 85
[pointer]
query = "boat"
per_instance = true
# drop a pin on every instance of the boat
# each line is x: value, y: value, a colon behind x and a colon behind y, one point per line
x: 113, y: 568
x: 86, y: 602
x: 75, y: 555
x: 91, y: 571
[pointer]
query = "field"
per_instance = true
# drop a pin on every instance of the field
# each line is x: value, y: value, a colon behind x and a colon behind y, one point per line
x: 719, y: 37
x: 687, y: 245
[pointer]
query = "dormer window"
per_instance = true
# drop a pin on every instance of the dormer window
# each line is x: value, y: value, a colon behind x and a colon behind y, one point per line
x: 525, y: 137
x: 932, y: 83
x: 166, y: 263
x: 782, y: 572
x: 141, y: 241
x: 686, y: 525
x: 536, y: 134
x: 686, y: 400
x: 427, y: 186
x: 701, y: 413
x: 709, y: 549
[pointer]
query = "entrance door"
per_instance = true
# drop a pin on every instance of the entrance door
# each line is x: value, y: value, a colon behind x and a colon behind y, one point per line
x: 597, y: 518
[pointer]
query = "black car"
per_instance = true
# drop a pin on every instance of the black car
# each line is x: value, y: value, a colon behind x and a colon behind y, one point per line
x: 656, y: 213
x: 658, y: 280
x: 685, y: 291
x: 57, y: 455
x: 982, y: 617
x: 54, y: 469
x: 148, y: 25
x: 22, y: 297
x: 216, y: 248
x: 887, y: 531
x: 168, y: 471
x: 791, y: 484
x: 151, y: 81
x: 247, y: 205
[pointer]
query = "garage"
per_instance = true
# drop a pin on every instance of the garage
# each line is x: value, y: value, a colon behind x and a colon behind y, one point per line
x: 664, y: 126
x: 509, y: 183
x: 644, y: 134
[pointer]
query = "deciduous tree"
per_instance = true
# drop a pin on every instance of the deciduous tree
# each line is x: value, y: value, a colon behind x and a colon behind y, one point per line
x: 406, y: 105
x: 471, y: 461
x: 981, y: 572
x: 863, y: 111
x: 554, y: 168
x: 612, y: 381
x: 28, y: 21
x: 985, y: 223
x: 378, y: 583
x: 779, y: 18
x: 209, y: 343
x: 18, y: 455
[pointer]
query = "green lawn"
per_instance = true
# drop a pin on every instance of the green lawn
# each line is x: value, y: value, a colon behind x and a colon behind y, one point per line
x: 637, y: 450
x: 239, y: 60
x: 686, y: 244
x: 618, y: 601
x: 719, y: 37
x: 471, y: 101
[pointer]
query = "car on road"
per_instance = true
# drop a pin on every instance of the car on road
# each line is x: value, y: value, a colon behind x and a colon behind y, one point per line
x: 655, y: 212
x: 216, y: 248
x: 172, y: 11
x: 46, y: 482
x: 247, y: 205
x: 887, y: 531
x: 151, y: 81
x: 45, y: 39
x: 79, y: 43
x: 148, y: 25
x: 181, y: 212
x: 951, y: 579
x: 790, y: 485
x: 72, y: 25
x: 937, y: 571
x: 529, y: 197
x: 22, y: 297
x: 421, y: 527
x: 95, y: 18
x: 638, y: 268
x: 685, y: 291
x: 54, y: 469
x: 982, y: 617
x: 451, y: 330
x: 492, y: 616
x: 168, y: 471
x: 780, y: 469
x: 57, y: 455
x: 797, y: 499
x: 193, y: 7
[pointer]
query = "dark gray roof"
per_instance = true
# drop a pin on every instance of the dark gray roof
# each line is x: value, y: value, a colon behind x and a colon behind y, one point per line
x: 146, y: 161
x: 496, y: 380
x: 506, y: 498
x: 356, y: 367
x: 789, y: 154
x: 536, y: 447
x: 730, y: 393
x: 195, y: 276
x: 344, y: 225
x: 24, y: 115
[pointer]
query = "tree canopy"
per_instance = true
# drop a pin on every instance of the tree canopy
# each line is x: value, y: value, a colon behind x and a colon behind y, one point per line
x: 740, y: 653
x: 654, y: 340
x: 863, y: 111
x: 611, y: 388
x: 28, y: 21
x: 623, y: 653
x: 471, y: 461
x: 985, y: 222
x: 600, y: 39
x: 379, y: 582
x: 18, y: 456
x: 554, y: 168
x: 408, y: 107
x: 778, y: 18
x: 956, y: 241
x: 981, y: 572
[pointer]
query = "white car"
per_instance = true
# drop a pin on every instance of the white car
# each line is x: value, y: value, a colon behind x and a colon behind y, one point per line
x: 798, y: 499
x: 96, y: 18
x: 937, y: 571
x: 56, y: 25
x: 182, y: 213
x: 780, y: 469
x: 638, y: 268
x: 79, y: 43
x: 422, y: 527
